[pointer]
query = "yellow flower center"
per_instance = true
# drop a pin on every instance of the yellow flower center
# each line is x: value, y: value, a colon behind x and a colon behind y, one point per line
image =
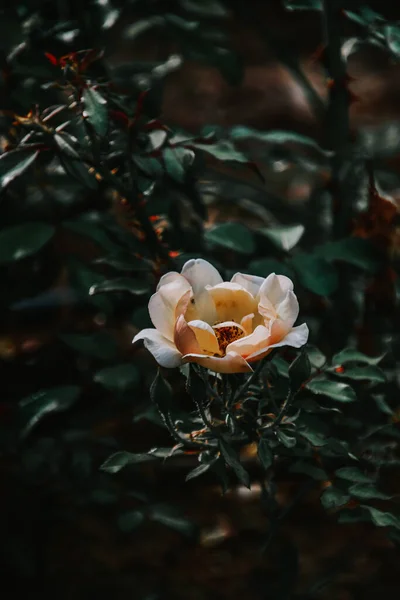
x: 226, y: 335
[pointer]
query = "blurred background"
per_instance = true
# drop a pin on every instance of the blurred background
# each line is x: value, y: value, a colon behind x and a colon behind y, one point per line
x: 67, y: 529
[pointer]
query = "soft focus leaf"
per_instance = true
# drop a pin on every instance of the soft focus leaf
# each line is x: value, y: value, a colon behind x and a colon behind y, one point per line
x: 232, y: 460
x: 287, y: 440
x: 130, y: 520
x: 119, y: 460
x: 367, y: 491
x: 232, y: 236
x: 341, y: 392
x: 369, y: 373
x: 334, y: 497
x: 285, y: 237
x: 355, y: 251
x: 264, y: 266
x: 122, y: 284
x: 99, y: 345
x: 35, y: 407
x: 23, y: 240
x: 349, y: 355
x: 14, y: 163
x: 95, y: 110
x: 353, y: 474
x: 265, y: 454
x: 315, y: 274
x: 300, y: 466
x: 118, y: 378
x: 382, y: 519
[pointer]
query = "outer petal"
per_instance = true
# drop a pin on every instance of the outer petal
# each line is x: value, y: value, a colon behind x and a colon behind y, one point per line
x: 288, y: 309
x: 230, y: 363
x: 296, y: 338
x: 232, y: 301
x: 168, y: 278
x: 205, y: 336
x: 275, y: 288
x: 200, y: 273
x: 246, y: 346
x: 184, y: 338
x: 251, y: 283
x: 162, y: 349
x: 168, y: 303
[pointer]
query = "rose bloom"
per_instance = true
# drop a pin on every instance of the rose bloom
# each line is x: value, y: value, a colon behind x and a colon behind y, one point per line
x: 223, y: 326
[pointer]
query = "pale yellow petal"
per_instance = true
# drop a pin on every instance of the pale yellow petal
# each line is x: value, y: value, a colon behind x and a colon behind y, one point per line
x: 246, y: 346
x: 205, y: 336
x: 166, y: 305
x: 232, y: 302
x: 230, y: 363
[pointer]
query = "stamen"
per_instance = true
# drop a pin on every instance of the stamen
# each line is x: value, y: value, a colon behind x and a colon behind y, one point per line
x: 226, y: 335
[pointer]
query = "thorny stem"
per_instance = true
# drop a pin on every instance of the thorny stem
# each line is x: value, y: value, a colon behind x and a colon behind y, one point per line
x: 253, y: 377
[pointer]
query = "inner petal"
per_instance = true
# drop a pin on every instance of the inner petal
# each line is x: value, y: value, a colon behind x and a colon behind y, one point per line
x: 232, y: 302
x: 205, y: 337
x: 226, y: 333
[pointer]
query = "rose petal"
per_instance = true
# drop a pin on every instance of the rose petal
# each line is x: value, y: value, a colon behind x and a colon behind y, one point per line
x: 247, y: 324
x: 232, y: 301
x: 162, y: 349
x: 168, y: 278
x: 251, y: 343
x: 296, y: 338
x: 200, y: 273
x: 168, y: 303
x: 275, y: 289
x: 184, y: 338
x: 288, y: 309
x: 230, y: 363
x: 205, y: 336
x: 251, y: 283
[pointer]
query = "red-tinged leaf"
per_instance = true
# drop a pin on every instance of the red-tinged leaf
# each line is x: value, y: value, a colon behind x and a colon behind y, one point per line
x: 51, y: 58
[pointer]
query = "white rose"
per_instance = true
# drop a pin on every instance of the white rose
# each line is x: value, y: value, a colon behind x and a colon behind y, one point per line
x: 223, y: 326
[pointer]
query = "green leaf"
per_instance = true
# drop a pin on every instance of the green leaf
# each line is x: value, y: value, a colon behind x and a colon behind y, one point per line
x: 118, y: 378
x: 277, y: 137
x: 367, y: 491
x: 198, y: 471
x: 232, y: 236
x: 348, y: 355
x: 119, y: 460
x: 232, y: 460
x: 130, y: 520
x: 265, y: 454
x: 341, y: 392
x: 23, y: 240
x: 168, y: 516
x: 281, y: 366
x: 99, y: 345
x: 382, y: 519
x: 95, y: 110
x: 315, y: 274
x: 287, y: 440
x: 177, y: 162
x: 355, y: 251
x: 314, y: 437
x: 121, y: 284
x: 14, y: 163
x: 299, y: 371
x: 353, y: 474
x: 369, y: 373
x: 221, y: 150
x: 392, y: 33
x: 65, y: 147
x: 333, y: 497
x: 303, y: 4
x: 34, y: 407
x: 300, y: 466
x: 264, y: 266
x: 79, y: 171
x: 317, y: 359
x: 382, y: 404
x: 284, y: 237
